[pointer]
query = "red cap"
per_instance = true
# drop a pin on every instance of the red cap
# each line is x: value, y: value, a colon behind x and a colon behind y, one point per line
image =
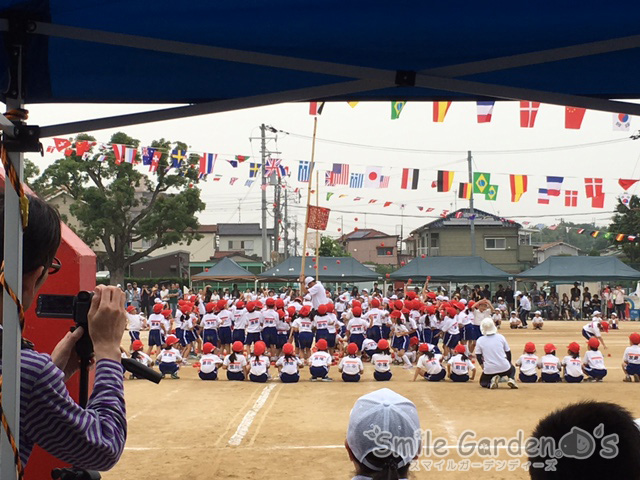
x: 451, y: 312
x: 593, y: 342
x: 321, y: 344
x: 431, y: 309
x: 330, y: 307
x: 322, y: 309
x: 357, y: 311
x: 281, y: 314
x: 415, y: 305
x: 279, y: 303
x: 291, y: 311
x: 383, y: 344
x: 424, y: 347
x: 635, y: 338
x: 208, y: 347
x: 407, y: 304
x: 352, y: 349
x: 375, y: 303
x: 259, y: 305
x: 411, y: 295
x: 137, y: 345
x: 222, y: 304
x: 529, y: 347
x: 460, y: 348
x: 356, y: 303
x: 305, y: 311
x: 471, y: 304
x: 288, y: 349
x: 405, y: 311
x: 210, y: 307
x: 171, y: 340
x: 574, y: 347
x: 131, y: 308
x: 549, y: 347
x: 414, y: 341
x: 259, y: 347
x: 398, y: 304
x: 605, y: 326
x: 157, y: 308
x: 166, y: 313
x: 237, y: 346
x: 251, y: 306
x: 182, y: 301
x: 270, y: 302
x: 240, y: 304
x: 396, y: 314
x: 431, y: 295
x: 193, y: 298
x: 185, y: 308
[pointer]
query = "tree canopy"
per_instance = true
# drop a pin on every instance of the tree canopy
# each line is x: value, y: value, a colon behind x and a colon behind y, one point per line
x: 331, y: 248
x: 627, y: 220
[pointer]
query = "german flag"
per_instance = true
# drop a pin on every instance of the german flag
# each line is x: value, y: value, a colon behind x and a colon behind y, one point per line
x: 620, y: 237
x: 445, y: 180
x: 595, y: 233
x: 465, y: 190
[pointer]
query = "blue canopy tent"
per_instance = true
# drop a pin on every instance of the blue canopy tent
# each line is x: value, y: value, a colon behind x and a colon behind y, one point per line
x: 450, y: 269
x: 581, y: 269
x: 221, y: 56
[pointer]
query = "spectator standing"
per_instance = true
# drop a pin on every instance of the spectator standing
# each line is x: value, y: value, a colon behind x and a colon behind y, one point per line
x: 619, y: 303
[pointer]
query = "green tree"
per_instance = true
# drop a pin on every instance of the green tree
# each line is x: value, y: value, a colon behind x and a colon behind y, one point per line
x: 584, y: 241
x: 117, y: 205
x: 331, y: 248
x: 30, y: 173
x: 627, y: 220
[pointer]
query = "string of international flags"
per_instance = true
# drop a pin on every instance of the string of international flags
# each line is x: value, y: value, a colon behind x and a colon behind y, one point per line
x: 618, y: 237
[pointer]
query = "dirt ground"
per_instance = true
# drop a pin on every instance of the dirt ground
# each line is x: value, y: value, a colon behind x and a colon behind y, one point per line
x: 191, y: 429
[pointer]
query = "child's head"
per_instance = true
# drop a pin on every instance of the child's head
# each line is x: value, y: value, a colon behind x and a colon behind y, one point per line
x: 530, y: 347
x: 237, y: 346
x: 604, y: 326
x: 460, y: 349
x: 352, y: 349
x: 305, y: 311
x: 383, y: 346
x: 166, y: 314
x: 413, y: 343
x: 288, y: 349
x: 131, y: 309
x: 396, y: 316
x: 208, y: 348
x: 270, y: 302
x: 425, y: 350
x: 259, y: 348
x: 157, y: 308
x: 137, y: 345
x: 322, y: 310
x: 321, y: 345
x: 356, y: 311
x: 594, y: 343
x: 550, y: 349
x: 634, y: 338
x: 171, y: 341
x: 574, y: 349
x: 210, y: 307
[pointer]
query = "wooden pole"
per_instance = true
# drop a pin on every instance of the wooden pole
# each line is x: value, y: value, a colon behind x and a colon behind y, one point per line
x: 317, y: 231
x: 306, y: 218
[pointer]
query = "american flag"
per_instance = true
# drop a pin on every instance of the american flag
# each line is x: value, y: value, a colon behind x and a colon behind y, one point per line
x: 356, y: 180
x: 384, y: 181
x: 272, y: 166
x: 304, y: 171
x: 340, y: 174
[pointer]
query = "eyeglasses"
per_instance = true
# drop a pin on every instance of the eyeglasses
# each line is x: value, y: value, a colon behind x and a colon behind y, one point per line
x: 55, y: 266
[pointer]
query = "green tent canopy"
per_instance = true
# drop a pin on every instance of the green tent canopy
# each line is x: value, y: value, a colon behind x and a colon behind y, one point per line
x: 580, y: 269
x: 450, y: 269
x: 226, y: 270
x: 331, y: 269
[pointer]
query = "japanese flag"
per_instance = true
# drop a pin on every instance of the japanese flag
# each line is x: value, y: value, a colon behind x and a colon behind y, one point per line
x: 372, y: 177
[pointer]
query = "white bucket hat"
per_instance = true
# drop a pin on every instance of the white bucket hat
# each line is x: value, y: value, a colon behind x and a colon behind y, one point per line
x: 487, y: 327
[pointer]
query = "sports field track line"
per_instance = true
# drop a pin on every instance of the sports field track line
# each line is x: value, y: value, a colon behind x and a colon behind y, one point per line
x: 235, y: 416
x: 265, y: 414
x: 446, y: 423
x: 245, y: 424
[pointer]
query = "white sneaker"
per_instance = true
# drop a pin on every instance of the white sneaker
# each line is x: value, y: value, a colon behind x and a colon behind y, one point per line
x: 327, y: 379
x: 494, y: 382
x: 512, y: 383
x: 407, y: 367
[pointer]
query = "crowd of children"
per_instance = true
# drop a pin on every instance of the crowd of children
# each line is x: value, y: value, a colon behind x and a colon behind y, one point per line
x: 429, y: 332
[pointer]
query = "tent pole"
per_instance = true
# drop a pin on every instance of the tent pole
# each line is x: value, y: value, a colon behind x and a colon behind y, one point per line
x: 317, y: 231
x: 306, y: 217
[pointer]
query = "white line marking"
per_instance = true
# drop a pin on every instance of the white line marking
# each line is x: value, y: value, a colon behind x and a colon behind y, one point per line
x: 446, y: 423
x: 246, y: 422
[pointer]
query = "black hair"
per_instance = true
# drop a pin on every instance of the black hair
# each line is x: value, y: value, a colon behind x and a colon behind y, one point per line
x: 384, y: 352
x: 574, y: 354
x: 353, y: 355
x: 232, y: 357
x: 168, y: 347
x: 41, y: 237
x: 388, y: 465
x: 611, y: 458
x: 290, y: 357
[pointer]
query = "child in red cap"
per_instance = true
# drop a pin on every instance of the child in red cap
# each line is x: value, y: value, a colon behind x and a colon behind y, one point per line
x: 235, y: 363
x: 573, y: 364
x: 270, y: 319
x: 169, y: 358
x: 550, y: 365
x: 459, y: 365
x: 289, y: 364
x: 381, y: 362
x: 593, y: 362
x: 209, y: 363
x: 259, y: 363
x: 209, y: 324
x: 631, y: 359
x: 357, y: 327
x: 400, y: 338
x: 528, y: 363
x: 138, y: 354
x: 303, y: 327
x: 156, y: 328
x: 351, y: 366
x: 319, y: 362
x: 429, y: 365
x: 135, y: 323
x: 225, y: 322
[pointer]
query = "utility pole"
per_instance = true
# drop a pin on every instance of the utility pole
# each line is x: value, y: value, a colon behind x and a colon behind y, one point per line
x: 239, y: 211
x: 286, y: 224
x: 276, y: 217
x: 295, y: 239
x: 471, y: 211
x: 263, y: 145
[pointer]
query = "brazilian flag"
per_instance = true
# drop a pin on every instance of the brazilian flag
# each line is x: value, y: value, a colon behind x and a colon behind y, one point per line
x: 396, y: 109
x: 492, y: 192
x: 481, y: 182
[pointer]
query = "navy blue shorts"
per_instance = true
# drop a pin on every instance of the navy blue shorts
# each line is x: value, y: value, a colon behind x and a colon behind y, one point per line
x: 586, y: 334
x: 451, y: 339
x: 322, y: 333
x: 224, y: 333
x: 375, y: 332
x: 357, y: 338
x: 208, y: 376
x: 306, y: 339
x: 382, y: 376
x: 474, y: 333
x: 183, y: 338
x: 252, y: 338
x: 370, y: 353
x: 571, y: 379
x: 269, y: 335
x: 595, y: 373
x: 155, y: 338
x: 235, y: 376
x: 281, y: 339
x: 258, y: 378
x: 190, y: 336
x: 210, y: 336
x: 318, y: 372
x: 550, y: 377
x: 427, y: 335
x: 289, y: 377
x: 168, y: 367
x: 633, y: 369
x: 386, y: 331
x: 296, y: 339
x: 527, y: 378
x: 436, y: 377
x: 331, y: 340
x: 350, y: 378
x: 459, y: 378
x: 401, y: 343
x: 469, y: 332
x: 134, y: 335
x: 238, y: 335
x: 435, y: 339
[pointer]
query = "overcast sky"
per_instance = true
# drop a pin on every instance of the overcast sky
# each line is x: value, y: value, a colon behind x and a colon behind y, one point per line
x: 366, y: 136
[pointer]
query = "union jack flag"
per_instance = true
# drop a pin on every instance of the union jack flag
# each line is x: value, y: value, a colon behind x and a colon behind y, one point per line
x: 328, y: 179
x: 272, y: 166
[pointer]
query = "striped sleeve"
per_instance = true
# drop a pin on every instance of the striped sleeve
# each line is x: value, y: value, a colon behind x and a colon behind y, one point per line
x: 93, y: 438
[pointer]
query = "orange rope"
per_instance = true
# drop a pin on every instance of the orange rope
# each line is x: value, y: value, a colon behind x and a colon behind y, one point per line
x: 12, y: 175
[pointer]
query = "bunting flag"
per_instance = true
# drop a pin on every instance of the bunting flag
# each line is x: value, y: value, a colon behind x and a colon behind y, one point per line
x: 464, y: 191
x: 430, y: 209
x: 102, y: 158
x: 598, y: 201
x: 372, y: 177
x: 492, y: 193
x: 233, y: 180
x: 440, y: 110
x: 481, y: 182
x: 543, y: 196
x: 396, y: 109
x: 570, y: 198
x: 357, y: 199
x: 554, y: 186
x: 625, y: 198
x: 207, y: 162
x: 155, y: 161
x: 444, y: 213
x: 254, y: 168
x: 373, y: 200
x: 528, y: 113
x: 573, y: 117
x: 410, y: 178
x: 51, y: 149
x: 233, y: 163
x: 518, y: 186
x: 83, y: 147
x: 595, y: 233
x: 118, y: 151
x: 553, y: 227
x: 177, y: 156
x: 328, y: 179
x: 386, y: 204
x: 340, y: 174
x: 619, y: 237
x: 317, y: 217
x: 621, y: 122
x: 241, y: 158
x: 61, y: 143
x: 485, y: 109
x: 329, y: 195
x: 315, y: 108
x: 459, y: 214
x: 384, y: 181
x: 218, y: 177
x: 342, y: 196
x: 593, y: 187
x: 356, y: 180
x: 580, y: 231
x: 248, y: 183
x: 631, y: 238
x: 626, y: 184
x: 304, y: 170
x: 272, y: 166
x: 353, y: 104
x: 445, y: 180
x: 420, y: 208
x: 147, y: 155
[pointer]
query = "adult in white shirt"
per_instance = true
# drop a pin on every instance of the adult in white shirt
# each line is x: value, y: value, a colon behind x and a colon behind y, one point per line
x: 525, y: 309
x: 315, y: 290
x: 494, y: 355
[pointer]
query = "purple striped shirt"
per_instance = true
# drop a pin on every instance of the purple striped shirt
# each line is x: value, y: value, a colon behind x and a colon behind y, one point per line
x: 93, y: 438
